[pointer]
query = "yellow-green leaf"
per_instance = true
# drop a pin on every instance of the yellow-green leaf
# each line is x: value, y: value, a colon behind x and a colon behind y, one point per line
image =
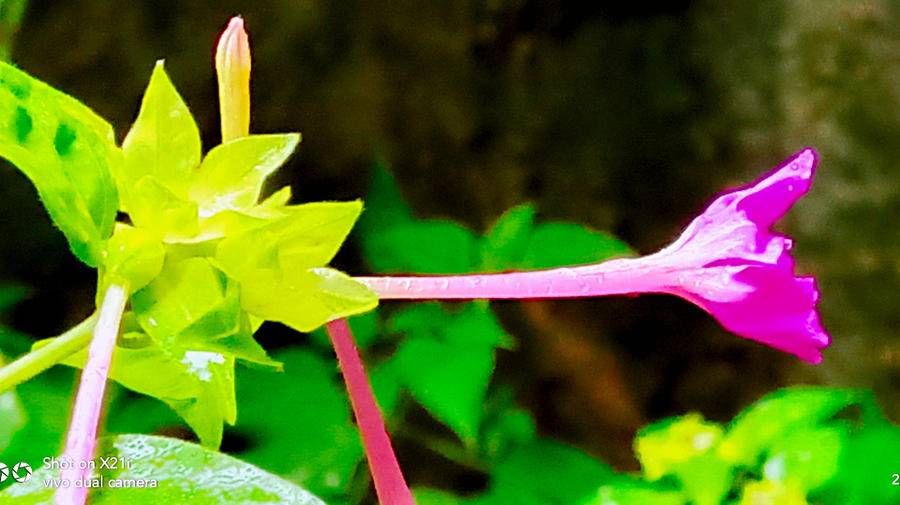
x: 232, y: 174
x: 163, y: 142
x: 68, y: 152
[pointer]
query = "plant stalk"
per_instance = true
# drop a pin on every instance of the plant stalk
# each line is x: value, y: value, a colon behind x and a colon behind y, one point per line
x: 82, y: 437
x: 45, y: 357
x: 390, y: 486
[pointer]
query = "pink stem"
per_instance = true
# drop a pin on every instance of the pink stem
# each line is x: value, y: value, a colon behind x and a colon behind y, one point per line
x: 616, y: 277
x: 82, y: 437
x: 390, y: 486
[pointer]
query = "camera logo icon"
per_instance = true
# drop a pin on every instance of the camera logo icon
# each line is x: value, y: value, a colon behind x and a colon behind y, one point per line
x: 4, y: 472
x: 21, y: 472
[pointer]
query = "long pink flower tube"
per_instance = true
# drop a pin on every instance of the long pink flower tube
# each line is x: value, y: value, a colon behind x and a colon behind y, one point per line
x: 728, y: 262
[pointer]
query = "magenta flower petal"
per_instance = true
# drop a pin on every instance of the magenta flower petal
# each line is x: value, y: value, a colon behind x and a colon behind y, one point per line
x: 730, y: 263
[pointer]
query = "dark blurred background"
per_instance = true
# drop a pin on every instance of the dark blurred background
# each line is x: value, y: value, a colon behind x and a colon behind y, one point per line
x: 628, y: 117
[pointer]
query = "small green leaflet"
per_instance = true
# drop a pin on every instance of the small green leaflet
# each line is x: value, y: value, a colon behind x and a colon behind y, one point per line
x: 68, y: 152
x: 182, y: 473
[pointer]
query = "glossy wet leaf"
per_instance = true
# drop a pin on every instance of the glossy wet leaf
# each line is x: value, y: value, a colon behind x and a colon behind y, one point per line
x: 232, y: 174
x: 68, y: 152
x: 304, y: 299
x: 183, y: 473
x: 163, y: 142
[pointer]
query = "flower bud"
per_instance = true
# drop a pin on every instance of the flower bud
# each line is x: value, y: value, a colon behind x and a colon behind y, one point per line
x: 233, y: 71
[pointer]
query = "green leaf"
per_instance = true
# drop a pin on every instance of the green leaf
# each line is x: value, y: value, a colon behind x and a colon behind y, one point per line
x: 192, y: 305
x: 527, y: 476
x: 808, y: 457
x: 298, y: 424
x: 178, y: 471
x: 505, y: 426
x: 427, y: 246
x: 435, y: 497
x: 232, y: 174
x: 11, y: 294
x: 134, y: 257
x: 506, y: 242
x: 767, y: 491
x: 447, y: 360
x: 308, y: 236
x: 216, y: 403
x: 775, y: 415
x: 624, y: 490
x: 42, y: 398
x: 163, y: 142
x: 179, y: 297
x: 155, y: 207
x: 385, y: 206
x: 867, y: 463
x: 467, y: 324
x: 68, y: 152
x: 564, y: 244
x: 12, y: 415
x: 304, y: 299
x: 448, y: 380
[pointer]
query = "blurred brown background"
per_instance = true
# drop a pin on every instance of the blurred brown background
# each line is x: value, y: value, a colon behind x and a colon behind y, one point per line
x: 628, y: 118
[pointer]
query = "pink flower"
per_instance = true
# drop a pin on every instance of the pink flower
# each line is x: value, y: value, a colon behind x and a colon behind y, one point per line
x: 727, y: 261
x: 730, y: 263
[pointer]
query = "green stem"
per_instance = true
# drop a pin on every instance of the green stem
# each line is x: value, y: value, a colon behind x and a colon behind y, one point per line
x: 43, y: 358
